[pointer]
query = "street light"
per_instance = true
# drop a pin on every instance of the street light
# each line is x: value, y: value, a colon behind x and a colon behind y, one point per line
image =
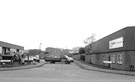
x: 40, y: 48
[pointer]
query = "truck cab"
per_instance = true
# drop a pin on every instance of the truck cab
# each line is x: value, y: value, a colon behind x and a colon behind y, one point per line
x: 7, y: 59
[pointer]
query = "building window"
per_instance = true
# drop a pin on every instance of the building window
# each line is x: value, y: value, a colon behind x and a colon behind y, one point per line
x: 113, y: 58
x: 120, y: 58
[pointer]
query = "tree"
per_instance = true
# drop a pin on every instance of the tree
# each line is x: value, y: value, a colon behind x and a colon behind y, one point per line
x: 81, y: 50
x: 89, y: 42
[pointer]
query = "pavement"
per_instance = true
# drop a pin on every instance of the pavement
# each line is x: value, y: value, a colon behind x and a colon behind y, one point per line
x: 29, y: 66
x: 91, y: 67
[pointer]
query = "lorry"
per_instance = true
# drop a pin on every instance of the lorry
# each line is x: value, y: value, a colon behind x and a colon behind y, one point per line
x: 7, y: 59
x: 53, y: 59
x: 10, y: 59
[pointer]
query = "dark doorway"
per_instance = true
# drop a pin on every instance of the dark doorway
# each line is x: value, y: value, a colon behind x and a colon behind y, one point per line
x: 109, y: 59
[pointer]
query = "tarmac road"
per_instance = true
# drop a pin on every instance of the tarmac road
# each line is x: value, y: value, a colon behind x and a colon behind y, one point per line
x: 61, y: 72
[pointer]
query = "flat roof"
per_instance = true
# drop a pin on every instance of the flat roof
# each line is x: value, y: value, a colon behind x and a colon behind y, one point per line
x: 9, y: 45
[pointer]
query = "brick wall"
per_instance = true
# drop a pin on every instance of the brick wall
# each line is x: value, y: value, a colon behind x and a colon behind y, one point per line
x: 130, y: 60
x: 87, y: 58
x: 93, y: 59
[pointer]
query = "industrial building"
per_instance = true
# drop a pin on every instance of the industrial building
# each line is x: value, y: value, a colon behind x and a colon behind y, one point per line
x: 5, y: 48
x: 116, y: 51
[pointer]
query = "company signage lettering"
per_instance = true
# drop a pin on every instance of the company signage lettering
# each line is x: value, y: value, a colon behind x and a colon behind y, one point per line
x: 116, y: 43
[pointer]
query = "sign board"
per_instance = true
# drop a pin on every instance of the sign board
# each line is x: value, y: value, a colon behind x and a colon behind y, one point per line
x: 5, y: 60
x: 116, y: 43
x: 107, y: 61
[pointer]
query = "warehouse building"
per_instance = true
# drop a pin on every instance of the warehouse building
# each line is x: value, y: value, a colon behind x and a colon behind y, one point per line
x: 116, y: 50
x: 5, y: 48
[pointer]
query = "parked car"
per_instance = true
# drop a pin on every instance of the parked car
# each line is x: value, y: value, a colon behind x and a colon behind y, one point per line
x: 66, y: 59
x: 28, y: 59
x: 69, y: 58
x: 36, y: 58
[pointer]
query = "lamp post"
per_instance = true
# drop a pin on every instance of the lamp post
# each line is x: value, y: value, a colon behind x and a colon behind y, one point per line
x: 40, y: 48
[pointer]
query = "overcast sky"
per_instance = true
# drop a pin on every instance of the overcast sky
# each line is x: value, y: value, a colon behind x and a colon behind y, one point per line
x: 62, y: 23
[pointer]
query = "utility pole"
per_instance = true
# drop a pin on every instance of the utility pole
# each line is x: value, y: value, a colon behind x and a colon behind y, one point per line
x: 40, y: 48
